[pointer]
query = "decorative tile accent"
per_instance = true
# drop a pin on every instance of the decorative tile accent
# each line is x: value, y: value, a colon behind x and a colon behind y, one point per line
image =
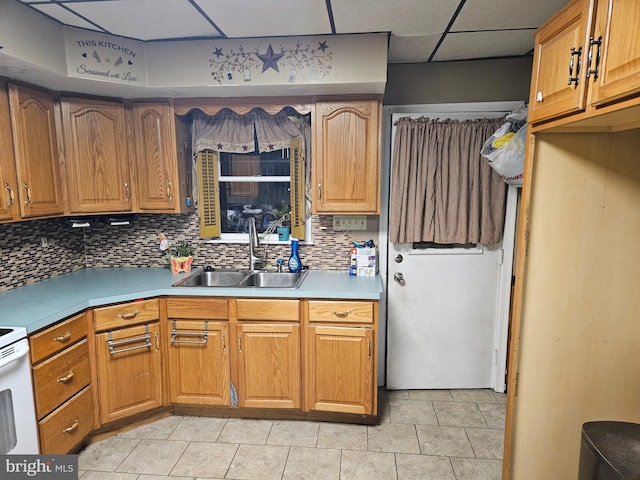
x: 25, y: 261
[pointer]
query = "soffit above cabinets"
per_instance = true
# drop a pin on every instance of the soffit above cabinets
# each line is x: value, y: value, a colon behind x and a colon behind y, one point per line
x: 452, y: 23
x: 415, y: 31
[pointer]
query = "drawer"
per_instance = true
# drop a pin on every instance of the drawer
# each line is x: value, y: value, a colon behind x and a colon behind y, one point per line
x: 60, y: 377
x: 341, y: 312
x: 257, y: 309
x: 68, y: 425
x: 125, y: 314
x: 47, y: 342
x: 198, y: 308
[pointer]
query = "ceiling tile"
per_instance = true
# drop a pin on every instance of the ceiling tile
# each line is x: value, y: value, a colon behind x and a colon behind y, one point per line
x: 146, y: 19
x: 64, y: 16
x: 505, y: 43
x: 402, y: 17
x: 411, y: 49
x: 268, y: 18
x: 503, y: 14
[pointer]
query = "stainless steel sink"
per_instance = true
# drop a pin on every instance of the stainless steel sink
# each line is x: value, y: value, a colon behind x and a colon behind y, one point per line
x: 274, y: 279
x: 242, y: 278
x: 213, y: 278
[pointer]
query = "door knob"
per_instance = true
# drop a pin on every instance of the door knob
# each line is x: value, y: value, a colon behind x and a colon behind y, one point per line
x: 398, y: 258
x: 398, y: 277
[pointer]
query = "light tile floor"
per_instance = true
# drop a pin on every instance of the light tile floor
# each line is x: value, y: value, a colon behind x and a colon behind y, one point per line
x: 422, y: 434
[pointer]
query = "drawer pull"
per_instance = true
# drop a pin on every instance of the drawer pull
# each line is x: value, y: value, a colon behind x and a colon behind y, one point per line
x: 63, y: 338
x: 175, y: 333
x: 341, y: 314
x: 146, y: 338
x: 67, y: 378
x: 128, y: 316
x: 72, y: 428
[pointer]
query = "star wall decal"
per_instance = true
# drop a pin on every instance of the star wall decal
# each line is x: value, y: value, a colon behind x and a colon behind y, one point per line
x: 323, y: 46
x: 218, y: 52
x: 270, y: 59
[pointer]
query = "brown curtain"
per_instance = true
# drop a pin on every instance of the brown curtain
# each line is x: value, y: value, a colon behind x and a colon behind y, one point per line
x: 442, y: 190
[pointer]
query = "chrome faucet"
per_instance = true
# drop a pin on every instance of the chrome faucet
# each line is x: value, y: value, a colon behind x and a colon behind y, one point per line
x: 255, y: 262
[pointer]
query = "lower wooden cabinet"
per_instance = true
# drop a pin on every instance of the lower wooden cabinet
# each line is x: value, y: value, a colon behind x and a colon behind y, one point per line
x: 198, y: 346
x: 62, y: 385
x: 305, y: 356
x: 340, y: 368
x: 68, y: 425
x: 267, y: 371
x: 268, y: 365
x: 198, y: 362
x: 129, y: 371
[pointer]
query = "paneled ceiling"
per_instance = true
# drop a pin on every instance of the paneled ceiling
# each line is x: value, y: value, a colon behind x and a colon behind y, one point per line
x: 419, y: 30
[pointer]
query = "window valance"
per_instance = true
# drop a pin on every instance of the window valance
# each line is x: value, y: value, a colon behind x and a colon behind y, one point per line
x: 255, y: 131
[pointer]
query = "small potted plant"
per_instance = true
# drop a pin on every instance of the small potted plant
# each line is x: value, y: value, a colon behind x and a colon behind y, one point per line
x: 282, y: 222
x: 179, y: 256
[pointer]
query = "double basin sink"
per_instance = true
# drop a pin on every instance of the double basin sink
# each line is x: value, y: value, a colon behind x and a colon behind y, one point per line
x: 243, y: 278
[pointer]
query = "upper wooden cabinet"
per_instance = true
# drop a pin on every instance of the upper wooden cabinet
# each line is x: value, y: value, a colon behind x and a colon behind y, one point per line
x: 156, y: 159
x: 346, y: 157
x: 8, y: 182
x: 97, y: 156
x: 618, y: 74
x: 558, y: 44
x: 587, y: 56
x: 35, y: 145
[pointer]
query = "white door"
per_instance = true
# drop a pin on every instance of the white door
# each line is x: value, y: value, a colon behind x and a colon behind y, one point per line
x: 441, y: 317
x: 447, y: 310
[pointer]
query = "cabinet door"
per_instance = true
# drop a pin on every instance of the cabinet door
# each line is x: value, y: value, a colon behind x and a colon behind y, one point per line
x: 552, y: 94
x: 268, y: 365
x: 97, y: 159
x: 36, y: 152
x: 339, y: 371
x: 199, y: 362
x: 129, y: 375
x: 8, y: 182
x: 156, y: 157
x: 346, y: 158
x: 619, y: 70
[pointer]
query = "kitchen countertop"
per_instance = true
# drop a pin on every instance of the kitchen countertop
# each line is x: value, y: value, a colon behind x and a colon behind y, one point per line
x: 43, y: 303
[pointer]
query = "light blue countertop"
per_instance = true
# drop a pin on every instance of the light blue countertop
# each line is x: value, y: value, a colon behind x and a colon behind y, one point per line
x: 46, y: 302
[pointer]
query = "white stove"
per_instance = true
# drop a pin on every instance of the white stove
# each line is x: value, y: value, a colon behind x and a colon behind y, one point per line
x: 18, y: 429
x: 9, y: 335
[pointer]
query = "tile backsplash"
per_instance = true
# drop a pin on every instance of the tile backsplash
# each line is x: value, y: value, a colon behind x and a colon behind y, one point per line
x: 25, y: 260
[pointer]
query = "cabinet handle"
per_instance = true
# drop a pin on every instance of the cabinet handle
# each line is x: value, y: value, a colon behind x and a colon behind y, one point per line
x: 128, y: 316
x: 319, y: 191
x: 169, y: 196
x: 341, y: 314
x: 72, y: 428
x: 28, y: 189
x: 598, y: 43
x: 572, y: 79
x: 11, y: 195
x: 368, y: 348
x: 224, y: 342
x: 240, y: 343
x: 67, y: 378
x: 63, y: 338
x: 127, y: 193
x: 157, y: 342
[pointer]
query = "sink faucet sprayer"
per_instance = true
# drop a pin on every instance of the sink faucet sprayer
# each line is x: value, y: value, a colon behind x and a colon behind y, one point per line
x: 255, y: 262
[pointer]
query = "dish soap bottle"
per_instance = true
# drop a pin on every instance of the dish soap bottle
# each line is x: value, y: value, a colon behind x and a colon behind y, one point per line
x: 295, y: 265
